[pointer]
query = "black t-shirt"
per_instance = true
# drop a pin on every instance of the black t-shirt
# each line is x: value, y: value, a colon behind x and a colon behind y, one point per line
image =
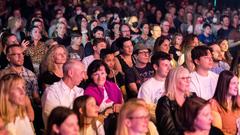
x: 138, y: 76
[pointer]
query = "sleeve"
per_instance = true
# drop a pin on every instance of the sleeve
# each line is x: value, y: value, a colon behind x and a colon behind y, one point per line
x: 164, y: 119
x: 50, y: 103
x: 193, y: 85
x: 144, y: 93
x: 217, y: 120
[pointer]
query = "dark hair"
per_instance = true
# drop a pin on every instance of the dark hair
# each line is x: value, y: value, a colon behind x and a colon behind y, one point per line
x: 198, y: 52
x: 121, y: 40
x: 97, y: 28
x: 224, y: 16
x: 206, y: 25
x: 57, y: 116
x: 98, y: 40
x: 189, y: 112
x: 222, y: 89
x: 159, y: 42
x: 157, y: 56
x: 80, y: 102
x: 94, y: 67
x: 78, y: 20
x: 105, y: 52
x: 188, y: 39
x: 5, y: 37
x: 12, y: 46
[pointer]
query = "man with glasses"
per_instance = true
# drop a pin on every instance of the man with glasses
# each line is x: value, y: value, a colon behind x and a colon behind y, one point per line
x: 140, y: 72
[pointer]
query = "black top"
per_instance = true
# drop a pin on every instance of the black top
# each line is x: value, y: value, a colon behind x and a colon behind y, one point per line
x: 166, y: 116
x: 213, y: 131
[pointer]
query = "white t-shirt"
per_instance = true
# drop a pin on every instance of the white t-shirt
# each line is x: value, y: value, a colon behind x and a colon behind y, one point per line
x: 151, y: 90
x: 87, y: 61
x: 106, y: 102
x: 100, y: 129
x: 21, y: 126
x: 203, y: 86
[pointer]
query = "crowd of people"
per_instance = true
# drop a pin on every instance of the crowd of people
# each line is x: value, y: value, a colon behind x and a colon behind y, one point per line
x: 119, y: 67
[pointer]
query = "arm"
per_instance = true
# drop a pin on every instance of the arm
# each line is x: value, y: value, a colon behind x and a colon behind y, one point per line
x: 217, y: 120
x: 29, y: 109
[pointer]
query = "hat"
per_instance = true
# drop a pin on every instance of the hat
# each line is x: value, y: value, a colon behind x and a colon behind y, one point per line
x: 140, y: 46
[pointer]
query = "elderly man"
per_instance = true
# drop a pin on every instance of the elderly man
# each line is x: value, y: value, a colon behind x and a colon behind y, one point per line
x: 64, y: 92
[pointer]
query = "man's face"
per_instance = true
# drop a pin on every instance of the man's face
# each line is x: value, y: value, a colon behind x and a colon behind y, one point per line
x: 205, y: 62
x: 143, y: 56
x: 125, y: 31
x: 156, y: 32
x: 162, y: 68
x: 15, y: 56
x: 216, y: 53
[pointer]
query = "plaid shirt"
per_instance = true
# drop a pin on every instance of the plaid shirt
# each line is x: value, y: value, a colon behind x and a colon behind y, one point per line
x: 29, y: 77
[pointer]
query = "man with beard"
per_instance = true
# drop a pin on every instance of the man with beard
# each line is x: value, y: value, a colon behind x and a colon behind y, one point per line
x: 218, y: 64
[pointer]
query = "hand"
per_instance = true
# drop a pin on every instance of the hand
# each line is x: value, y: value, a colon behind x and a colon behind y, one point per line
x: 24, y: 44
x: 117, y: 107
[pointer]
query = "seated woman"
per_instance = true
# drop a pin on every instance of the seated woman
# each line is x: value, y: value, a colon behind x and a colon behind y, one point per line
x: 224, y: 104
x: 87, y: 111
x: 177, y: 89
x: 51, y: 69
x: 62, y: 121
x: 134, y: 119
x: 107, y: 94
x: 14, y: 104
x: 195, y: 118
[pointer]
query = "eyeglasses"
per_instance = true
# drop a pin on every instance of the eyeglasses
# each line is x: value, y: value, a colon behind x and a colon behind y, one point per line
x: 185, y: 78
x: 140, y: 117
x: 144, y: 52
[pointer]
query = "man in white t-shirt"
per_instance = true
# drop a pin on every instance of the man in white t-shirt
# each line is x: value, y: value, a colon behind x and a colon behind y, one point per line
x: 64, y: 92
x: 98, y: 45
x: 154, y: 88
x: 203, y: 81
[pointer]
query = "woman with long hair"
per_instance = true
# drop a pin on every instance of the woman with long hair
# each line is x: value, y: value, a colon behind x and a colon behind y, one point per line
x: 51, y: 69
x: 13, y: 105
x: 195, y: 118
x: 224, y: 103
x: 87, y: 111
x: 37, y: 49
x: 62, y: 121
x: 177, y: 86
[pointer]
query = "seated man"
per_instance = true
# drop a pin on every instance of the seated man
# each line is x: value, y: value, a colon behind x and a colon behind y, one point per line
x: 64, y: 92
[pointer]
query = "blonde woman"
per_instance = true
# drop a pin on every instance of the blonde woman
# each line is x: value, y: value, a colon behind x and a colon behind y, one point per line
x: 133, y: 119
x: 177, y: 89
x: 51, y: 67
x: 13, y: 102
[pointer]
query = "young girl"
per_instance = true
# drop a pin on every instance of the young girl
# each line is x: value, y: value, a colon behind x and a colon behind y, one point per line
x: 87, y: 111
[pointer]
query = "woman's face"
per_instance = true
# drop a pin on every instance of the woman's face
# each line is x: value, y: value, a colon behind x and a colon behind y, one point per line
x: 36, y: 34
x: 94, y: 24
x: 183, y: 81
x: 92, y: 108
x: 179, y: 40
x: 99, y: 77
x: 116, y: 29
x: 233, y: 86
x: 224, y: 46
x: 145, y: 29
x: 61, y: 29
x: 109, y: 60
x: 84, y: 23
x: 17, y: 94
x: 128, y: 47
x: 165, y: 46
x: 69, y: 126
x: 139, y: 121
x: 204, y: 119
x: 60, y: 56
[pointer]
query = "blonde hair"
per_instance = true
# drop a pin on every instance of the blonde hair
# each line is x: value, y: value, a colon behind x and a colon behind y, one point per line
x: 127, y: 110
x: 6, y: 84
x: 48, y: 62
x: 171, y: 81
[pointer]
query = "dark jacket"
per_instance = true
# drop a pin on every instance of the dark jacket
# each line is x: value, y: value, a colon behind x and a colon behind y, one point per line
x: 166, y: 113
